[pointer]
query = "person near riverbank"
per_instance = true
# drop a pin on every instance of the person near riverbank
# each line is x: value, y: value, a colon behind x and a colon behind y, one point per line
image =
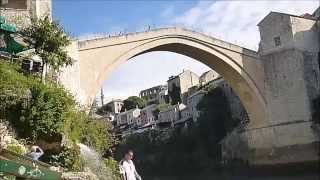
x: 127, y: 168
x: 35, y: 153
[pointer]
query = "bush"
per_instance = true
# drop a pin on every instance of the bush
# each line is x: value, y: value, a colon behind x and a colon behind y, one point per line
x: 133, y: 102
x: 47, y: 113
x: 95, y: 134
x: 316, y: 110
x: 68, y: 158
x: 36, y: 111
x: 16, y: 147
x: 114, y: 167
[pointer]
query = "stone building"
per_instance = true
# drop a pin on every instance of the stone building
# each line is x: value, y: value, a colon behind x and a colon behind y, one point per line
x: 289, y: 51
x: 115, y: 105
x: 147, y: 115
x: 193, y: 101
x: 208, y: 76
x: 316, y: 14
x: 19, y: 12
x: 128, y: 117
x: 167, y: 117
x: 289, y: 48
x: 155, y: 95
x: 192, y: 90
x: 183, y: 81
x: 185, y: 117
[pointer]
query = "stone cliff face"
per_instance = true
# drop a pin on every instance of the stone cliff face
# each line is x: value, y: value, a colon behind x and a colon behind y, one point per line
x: 6, y: 136
x: 79, y: 176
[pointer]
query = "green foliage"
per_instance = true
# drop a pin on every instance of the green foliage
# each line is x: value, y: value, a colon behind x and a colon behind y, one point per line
x: 159, y: 108
x: 13, y: 86
x: 114, y: 167
x: 175, y: 94
x: 68, y: 158
x: 216, y: 113
x: 49, y: 40
x: 95, y: 134
x: 47, y: 112
x: 132, y: 102
x: 104, y: 109
x: 16, y: 148
x: 35, y: 110
x: 316, y: 110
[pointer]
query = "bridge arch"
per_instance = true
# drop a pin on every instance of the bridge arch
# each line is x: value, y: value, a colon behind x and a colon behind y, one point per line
x: 100, y: 57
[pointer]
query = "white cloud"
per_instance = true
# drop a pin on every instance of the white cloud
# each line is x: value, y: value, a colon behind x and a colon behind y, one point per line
x: 236, y: 21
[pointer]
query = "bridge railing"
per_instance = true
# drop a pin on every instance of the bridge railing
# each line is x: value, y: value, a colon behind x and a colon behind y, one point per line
x: 24, y: 167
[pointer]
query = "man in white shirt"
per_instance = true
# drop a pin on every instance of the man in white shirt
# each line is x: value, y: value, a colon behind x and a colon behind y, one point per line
x: 127, y: 168
x: 36, y: 153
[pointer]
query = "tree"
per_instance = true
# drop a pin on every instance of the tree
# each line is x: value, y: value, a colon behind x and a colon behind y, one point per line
x: 175, y: 95
x: 132, y: 102
x: 104, y: 109
x: 316, y: 110
x: 159, y: 108
x: 49, y: 40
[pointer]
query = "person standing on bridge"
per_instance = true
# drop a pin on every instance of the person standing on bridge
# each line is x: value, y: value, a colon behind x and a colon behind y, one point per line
x: 127, y: 168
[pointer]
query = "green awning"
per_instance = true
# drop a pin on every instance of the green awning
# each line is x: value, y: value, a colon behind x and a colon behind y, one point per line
x: 12, y: 46
x: 8, y: 27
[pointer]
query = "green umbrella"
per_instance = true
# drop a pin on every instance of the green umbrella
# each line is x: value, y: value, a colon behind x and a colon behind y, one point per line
x: 12, y: 44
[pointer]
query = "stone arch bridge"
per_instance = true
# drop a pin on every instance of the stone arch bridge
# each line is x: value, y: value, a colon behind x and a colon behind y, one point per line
x: 251, y: 74
x: 241, y: 68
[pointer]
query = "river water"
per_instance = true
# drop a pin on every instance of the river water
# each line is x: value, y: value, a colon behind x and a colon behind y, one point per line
x: 302, y: 177
x: 270, y: 173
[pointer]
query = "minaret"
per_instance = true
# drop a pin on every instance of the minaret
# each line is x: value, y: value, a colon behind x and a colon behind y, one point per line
x: 102, y: 97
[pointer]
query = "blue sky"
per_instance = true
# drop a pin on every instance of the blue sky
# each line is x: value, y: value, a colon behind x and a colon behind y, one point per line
x: 229, y: 20
x: 93, y: 16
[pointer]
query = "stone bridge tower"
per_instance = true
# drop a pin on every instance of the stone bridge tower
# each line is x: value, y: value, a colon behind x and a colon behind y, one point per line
x: 289, y: 50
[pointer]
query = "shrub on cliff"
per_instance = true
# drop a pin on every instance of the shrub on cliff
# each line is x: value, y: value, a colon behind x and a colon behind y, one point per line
x: 47, y: 112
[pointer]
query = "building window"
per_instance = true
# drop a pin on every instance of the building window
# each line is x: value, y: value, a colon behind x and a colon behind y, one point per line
x: 277, y: 41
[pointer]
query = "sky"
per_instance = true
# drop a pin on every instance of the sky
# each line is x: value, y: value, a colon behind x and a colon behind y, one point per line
x: 229, y: 20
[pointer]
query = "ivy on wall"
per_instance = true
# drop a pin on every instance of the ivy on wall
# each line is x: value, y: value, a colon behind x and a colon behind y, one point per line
x: 175, y: 94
